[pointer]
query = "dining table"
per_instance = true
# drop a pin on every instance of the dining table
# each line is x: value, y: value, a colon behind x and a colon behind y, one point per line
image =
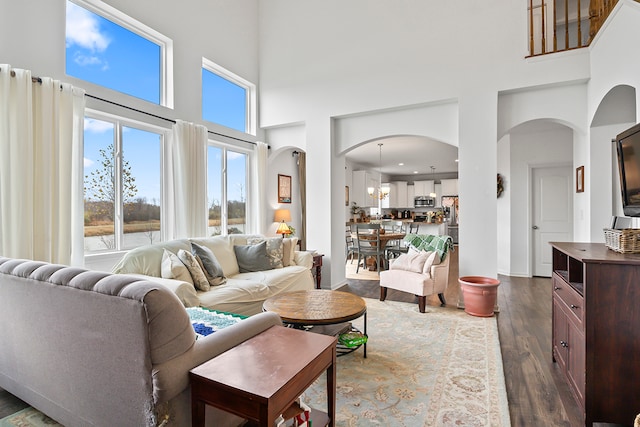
x: 372, y: 239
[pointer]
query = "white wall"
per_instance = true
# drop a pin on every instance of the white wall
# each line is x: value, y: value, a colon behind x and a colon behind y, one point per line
x: 225, y: 31
x: 503, y: 216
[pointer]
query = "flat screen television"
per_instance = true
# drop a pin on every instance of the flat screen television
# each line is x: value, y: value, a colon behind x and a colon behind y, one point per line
x: 628, y: 148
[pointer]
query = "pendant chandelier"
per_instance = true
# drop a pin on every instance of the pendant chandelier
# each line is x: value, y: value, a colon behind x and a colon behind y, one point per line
x: 433, y: 175
x: 381, y: 192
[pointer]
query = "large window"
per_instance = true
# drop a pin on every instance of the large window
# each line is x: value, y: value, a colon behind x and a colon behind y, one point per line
x: 227, y: 99
x: 111, y: 49
x: 122, y: 167
x: 227, y: 171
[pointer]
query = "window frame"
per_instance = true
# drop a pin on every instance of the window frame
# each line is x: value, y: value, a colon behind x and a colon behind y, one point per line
x: 166, y: 46
x: 118, y: 223
x: 224, y: 209
x: 250, y: 94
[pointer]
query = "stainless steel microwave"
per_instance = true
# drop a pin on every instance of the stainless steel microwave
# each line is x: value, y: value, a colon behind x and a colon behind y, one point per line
x: 424, y: 202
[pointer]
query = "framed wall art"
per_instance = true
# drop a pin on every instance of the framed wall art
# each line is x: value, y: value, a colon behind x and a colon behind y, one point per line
x: 580, y: 179
x: 346, y: 195
x: 284, y: 188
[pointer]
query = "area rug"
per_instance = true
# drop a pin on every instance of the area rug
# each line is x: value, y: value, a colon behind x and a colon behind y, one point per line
x: 28, y: 417
x: 440, y: 368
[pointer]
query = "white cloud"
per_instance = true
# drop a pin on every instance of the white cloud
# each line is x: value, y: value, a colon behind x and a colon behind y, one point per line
x: 84, y: 60
x: 97, y: 126
x: 88, y: 162
x: 232, y: 155
x: 83, y: 29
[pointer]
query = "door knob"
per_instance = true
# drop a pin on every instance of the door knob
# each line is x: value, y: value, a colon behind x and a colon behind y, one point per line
x: 535, y: 227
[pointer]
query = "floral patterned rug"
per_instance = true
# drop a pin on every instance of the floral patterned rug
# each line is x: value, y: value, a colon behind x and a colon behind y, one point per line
x: 440, y: 368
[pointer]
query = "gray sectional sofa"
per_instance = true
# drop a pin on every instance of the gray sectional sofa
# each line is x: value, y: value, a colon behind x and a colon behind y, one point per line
x: 242, y: 292
x: 90, y: 348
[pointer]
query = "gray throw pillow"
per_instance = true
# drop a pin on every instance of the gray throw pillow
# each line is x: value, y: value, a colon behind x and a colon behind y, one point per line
x: 212, y: 269
x: 252, y: 257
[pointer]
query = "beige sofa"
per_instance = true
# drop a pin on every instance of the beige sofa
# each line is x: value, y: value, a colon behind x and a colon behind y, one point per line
x: 90, y: 348
x: 243, y: 293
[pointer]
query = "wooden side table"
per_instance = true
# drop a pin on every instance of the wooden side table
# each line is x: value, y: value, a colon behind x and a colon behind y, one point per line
x: 264, y: 375
x: 317, y: 264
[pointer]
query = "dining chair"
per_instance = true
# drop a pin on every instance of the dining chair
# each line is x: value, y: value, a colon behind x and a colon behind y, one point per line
x: 403, y: 247
x: 351, y: 248
x: 369, y: 245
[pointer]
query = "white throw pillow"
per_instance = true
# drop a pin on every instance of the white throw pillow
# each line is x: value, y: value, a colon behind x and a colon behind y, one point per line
x: 173, y: 268
x: 430, y: 261
x: 288, y: 250
x: 411, y: 261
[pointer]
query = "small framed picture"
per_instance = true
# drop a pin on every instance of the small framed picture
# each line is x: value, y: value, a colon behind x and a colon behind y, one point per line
x: 346, y: 195
x: 284, y: 188
x: 580, y: 179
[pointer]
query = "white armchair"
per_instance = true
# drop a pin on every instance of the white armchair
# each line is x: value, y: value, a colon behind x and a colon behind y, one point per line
x: 419, y: 273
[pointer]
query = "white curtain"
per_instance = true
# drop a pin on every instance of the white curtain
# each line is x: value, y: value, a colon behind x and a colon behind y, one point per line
x: 258, y: 195
x: 41, y: 183
x: 185, y: 183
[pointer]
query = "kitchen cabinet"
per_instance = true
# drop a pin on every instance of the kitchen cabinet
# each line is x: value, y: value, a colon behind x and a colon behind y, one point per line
x: 449, y: 187
x: 411, y: 194
x: 397, y: 195
x: 423, y: 188
x: 596, y: 329
x: 361, y: 181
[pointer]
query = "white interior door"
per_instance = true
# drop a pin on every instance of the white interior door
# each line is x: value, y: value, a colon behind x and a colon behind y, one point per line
x: 552, y: 214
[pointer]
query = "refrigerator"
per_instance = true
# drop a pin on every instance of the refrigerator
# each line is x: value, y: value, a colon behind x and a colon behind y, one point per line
x: 450, y: 208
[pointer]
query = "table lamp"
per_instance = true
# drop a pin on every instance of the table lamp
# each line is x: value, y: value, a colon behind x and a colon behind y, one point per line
x: 282, y: 216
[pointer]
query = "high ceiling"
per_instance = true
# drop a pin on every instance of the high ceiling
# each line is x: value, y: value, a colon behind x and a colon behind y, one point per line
x: 417, y: 153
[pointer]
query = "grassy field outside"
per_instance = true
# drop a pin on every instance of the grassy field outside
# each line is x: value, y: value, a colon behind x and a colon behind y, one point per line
x: 106, y: 228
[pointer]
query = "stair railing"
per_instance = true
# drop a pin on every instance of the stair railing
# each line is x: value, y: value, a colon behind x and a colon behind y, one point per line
x: 559, y: 25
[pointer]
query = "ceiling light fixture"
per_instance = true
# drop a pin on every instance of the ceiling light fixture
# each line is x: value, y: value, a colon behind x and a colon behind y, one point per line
x: 382, y: 192
x: 433, y: 194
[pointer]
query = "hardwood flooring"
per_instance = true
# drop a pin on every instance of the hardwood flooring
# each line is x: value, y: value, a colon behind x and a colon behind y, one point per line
x: 537, y: 394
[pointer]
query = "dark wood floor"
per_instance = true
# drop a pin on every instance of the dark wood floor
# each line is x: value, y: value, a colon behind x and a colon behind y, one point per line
x: 536, y: 392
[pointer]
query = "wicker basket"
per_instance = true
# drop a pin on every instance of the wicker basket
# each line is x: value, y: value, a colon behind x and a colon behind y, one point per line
x: 625, y: 241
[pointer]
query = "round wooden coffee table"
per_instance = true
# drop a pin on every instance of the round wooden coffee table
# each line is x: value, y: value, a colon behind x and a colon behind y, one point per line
x: 320, y: 308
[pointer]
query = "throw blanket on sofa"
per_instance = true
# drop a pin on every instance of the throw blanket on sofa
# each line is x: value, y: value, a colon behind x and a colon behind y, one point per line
x: 206, y: 321
x: 430, y: 242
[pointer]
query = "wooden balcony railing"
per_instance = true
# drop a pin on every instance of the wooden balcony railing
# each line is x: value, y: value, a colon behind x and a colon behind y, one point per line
x: 558, y: 25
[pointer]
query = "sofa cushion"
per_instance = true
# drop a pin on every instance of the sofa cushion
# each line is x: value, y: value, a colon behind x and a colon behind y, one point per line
x: 252, y: 257
x: 222, y: 248
x: 199, y: 279
x: 274, y: 249
x: 212, y: 269
x: 244, y: 293
x: 173, y: 268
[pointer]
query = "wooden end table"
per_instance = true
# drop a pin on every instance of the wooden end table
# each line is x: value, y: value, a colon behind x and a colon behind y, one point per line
x: 264, y: 375
x: 317, y: 265
x: 319, y: 307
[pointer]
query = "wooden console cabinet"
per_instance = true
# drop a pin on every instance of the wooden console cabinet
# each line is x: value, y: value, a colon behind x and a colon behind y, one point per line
x: 596, y: 329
